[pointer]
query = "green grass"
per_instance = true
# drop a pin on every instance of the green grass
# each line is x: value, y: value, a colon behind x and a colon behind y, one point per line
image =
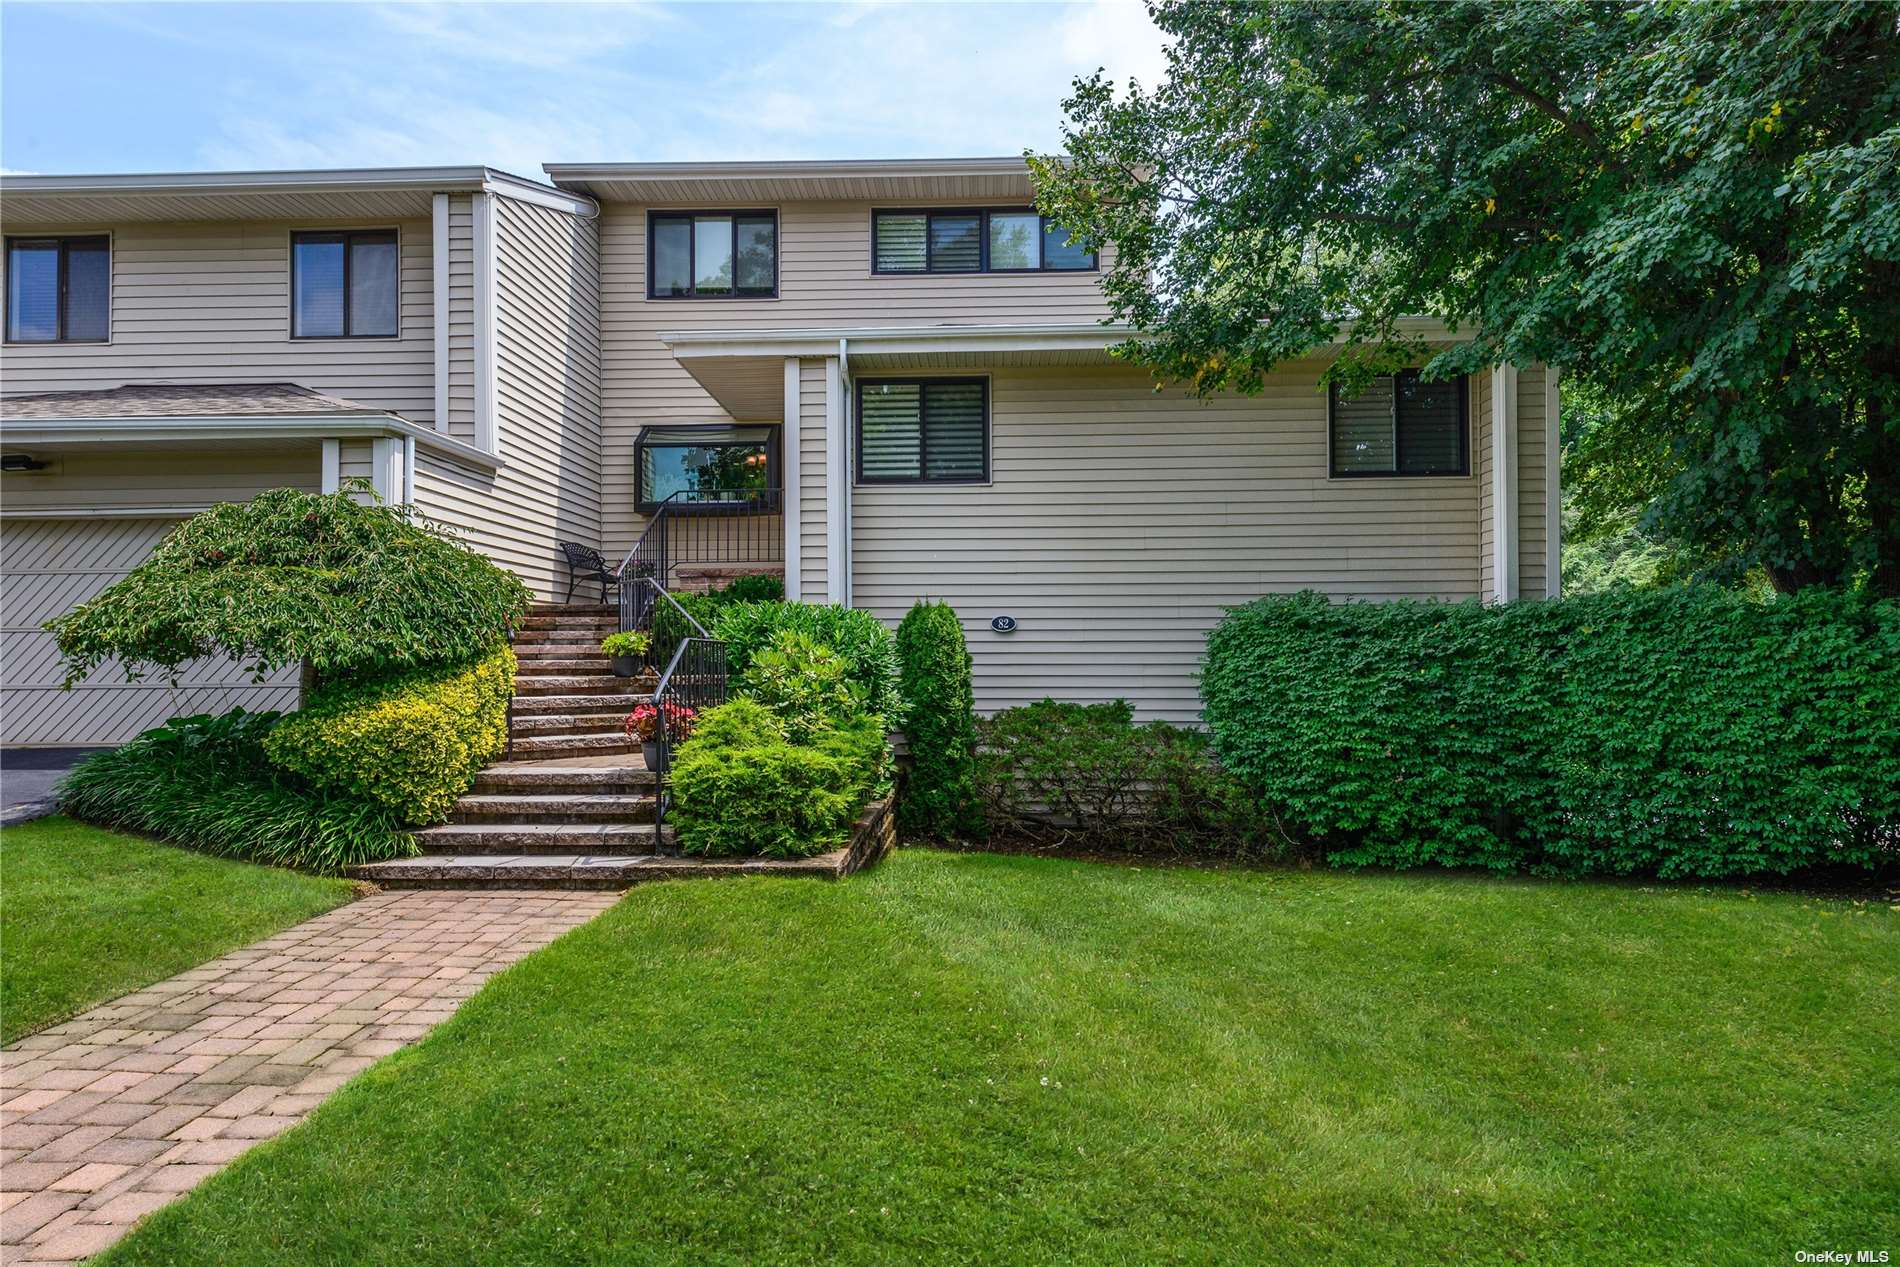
x: 983, y: 1059
x: 86, y: 915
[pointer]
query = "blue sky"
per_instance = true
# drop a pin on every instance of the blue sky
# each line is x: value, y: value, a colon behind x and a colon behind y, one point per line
x: 182, y: 87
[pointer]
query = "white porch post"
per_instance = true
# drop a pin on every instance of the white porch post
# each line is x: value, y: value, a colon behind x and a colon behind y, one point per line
x: 382, y: 468
x: 487, y: 426
x: 1553, y: 490
x: 792, y: 506
x: 332, y: 466
x: 1504, y: 481
x: 837, y: 475
x: 439, y: 249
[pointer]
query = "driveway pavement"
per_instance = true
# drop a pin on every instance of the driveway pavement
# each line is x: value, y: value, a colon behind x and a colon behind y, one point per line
x: 27, y: 776
x: 127, y: 1107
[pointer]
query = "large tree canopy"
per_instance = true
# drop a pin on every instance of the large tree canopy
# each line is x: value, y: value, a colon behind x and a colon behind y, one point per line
x: 289, y: 576
x: 1696, y: 206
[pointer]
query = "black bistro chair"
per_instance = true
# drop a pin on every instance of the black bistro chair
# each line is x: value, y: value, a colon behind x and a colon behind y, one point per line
x: 585, y: 564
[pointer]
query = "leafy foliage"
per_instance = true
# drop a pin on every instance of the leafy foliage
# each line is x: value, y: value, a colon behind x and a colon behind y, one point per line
x: 804, y: 684
x: 1690, y: 205
x: 867, y: 647
x: 355, y: 590
x: 755, y: 588
x: 1085, y: 775
x: 939, y: 723
x: 1686, y: 732
x: 205, y: 782
x: 632, y: 643
x: 410, y: 745
x: 742, y: 788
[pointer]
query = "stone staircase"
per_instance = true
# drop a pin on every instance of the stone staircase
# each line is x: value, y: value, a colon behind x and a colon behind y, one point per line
x: 572, y: 804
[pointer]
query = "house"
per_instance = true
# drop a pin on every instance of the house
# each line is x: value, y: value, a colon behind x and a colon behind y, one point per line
x: 890, y: 378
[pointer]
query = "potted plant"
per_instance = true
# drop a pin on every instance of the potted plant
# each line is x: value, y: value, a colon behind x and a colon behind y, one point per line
x: 644, y: 722
x: 627, y: 649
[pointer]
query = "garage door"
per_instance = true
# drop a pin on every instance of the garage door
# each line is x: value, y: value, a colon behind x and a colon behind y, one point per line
x: 48, y: 566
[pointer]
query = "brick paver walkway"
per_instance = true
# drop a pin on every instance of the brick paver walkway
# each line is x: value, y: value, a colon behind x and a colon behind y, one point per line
x: 113, y: 1114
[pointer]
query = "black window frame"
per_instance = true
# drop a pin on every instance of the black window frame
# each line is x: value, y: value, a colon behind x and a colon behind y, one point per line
x: 923, y: 438
x: 774, y: 444
x: 983, y: 215
x: 65, y: 242
x: 692, y: 247
x: 1398, y: 436
x: 346, y: 237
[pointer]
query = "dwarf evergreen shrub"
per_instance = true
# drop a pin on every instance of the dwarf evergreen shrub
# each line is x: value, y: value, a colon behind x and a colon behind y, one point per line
x: 939, y: 723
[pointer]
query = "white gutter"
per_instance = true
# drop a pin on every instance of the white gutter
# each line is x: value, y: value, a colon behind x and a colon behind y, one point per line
x: 1553, y: 488
x: 794, y: 509
x: 849, y: 430
x: 24, y: 432
x: 337, y: 181
x: 1506, y: 582
x: 837, y: 472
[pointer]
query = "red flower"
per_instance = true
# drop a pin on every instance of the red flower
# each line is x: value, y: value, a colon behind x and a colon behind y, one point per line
x: 643, y: 723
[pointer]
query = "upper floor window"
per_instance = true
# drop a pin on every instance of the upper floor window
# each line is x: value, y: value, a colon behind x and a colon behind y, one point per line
x: 930, y: 430
x: 343, y: 284
x: 973, y: 240
x: 1400, y: 425
x: 59, y: 290
x: 712, y: 254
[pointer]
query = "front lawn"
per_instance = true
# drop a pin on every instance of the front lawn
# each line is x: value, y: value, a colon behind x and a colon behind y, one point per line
x: 985, y: 1059
x: 87, y: 915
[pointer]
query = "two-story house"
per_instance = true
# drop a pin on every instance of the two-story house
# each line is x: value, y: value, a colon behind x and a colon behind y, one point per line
x: 895, y: 373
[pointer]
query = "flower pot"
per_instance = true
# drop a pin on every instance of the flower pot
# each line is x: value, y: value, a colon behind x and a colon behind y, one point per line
x: 650, y: 753
x: 626, y: 666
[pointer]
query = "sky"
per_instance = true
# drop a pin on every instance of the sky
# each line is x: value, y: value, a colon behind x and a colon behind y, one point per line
x: 87, y: 87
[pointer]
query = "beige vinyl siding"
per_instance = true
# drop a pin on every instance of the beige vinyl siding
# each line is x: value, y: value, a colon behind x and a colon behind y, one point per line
x: 1120, y: 522
x: 825, y: 279
x: 49, y: 566
x: 1530, y: 482
x: 461, y: 348
x: 129, y: 482
x: 356, y: 460
x: 547, y: 388
x: 210, y: 303
x: 813, y: 479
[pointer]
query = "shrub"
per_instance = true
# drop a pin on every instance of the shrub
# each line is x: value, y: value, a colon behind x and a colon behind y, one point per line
x: 741, y: 788
x: 625, y: 644
x: 410, y: 745
x: 1679, y: 733
x: 204, y: 782
x: 289, y: 576
x: 670, y: 628
x: 804, y: 685
x: 751, y: 589
x: 939, y: 722
x: 866, y: 646
x: 1085, y: 775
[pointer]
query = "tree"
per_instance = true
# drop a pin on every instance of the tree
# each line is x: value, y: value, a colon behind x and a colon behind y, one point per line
x: 1696, y: 207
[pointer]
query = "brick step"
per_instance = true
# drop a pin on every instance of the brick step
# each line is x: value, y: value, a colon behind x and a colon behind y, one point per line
x: 573, y: 705
x: 578, y: 870
x: 572, y: 609
x: 588, y: 636
x: 578, y: 624
x: 578, y: 684
x: 525, y: 651
x: 537, y: 808
x: 547, y: 746
x: 551, y: 779
x: 569, y: 723
x: 555, y: 666
x: 594, y: 838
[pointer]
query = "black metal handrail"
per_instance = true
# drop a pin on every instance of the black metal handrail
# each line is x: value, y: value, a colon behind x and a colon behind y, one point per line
x: 708, y: 526
x: 694, y: 678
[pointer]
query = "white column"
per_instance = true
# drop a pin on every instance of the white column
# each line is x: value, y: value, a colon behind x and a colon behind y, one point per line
x: 487, y: 427
x: 1553, y: 490
x: 837, y: 477
x: 1504, y: 480
x: 382, y: 468
x: 439, y: 253
x: 408, y: 482
x: 793, y: 506
x: 332, y: 466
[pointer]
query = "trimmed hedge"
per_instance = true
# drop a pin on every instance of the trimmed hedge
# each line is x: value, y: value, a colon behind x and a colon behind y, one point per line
x: 1676, y: 733
x: 867, y: 647
x: 410, y: 745
x: 939, y: 722
x: 741, y: 788
x: 205, y: 783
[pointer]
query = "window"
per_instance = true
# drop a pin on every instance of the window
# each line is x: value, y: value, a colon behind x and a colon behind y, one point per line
x: 1400, y: 425
x: 934, y: 430
x: 704, y: 466
x: 59, y: 290
x: 343, y: 285
x: 712, y: 255
x: 972, y: 240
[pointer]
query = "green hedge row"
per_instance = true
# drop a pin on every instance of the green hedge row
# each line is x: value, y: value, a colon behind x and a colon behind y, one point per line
x: 1677, y: 733
x: 410, y: 745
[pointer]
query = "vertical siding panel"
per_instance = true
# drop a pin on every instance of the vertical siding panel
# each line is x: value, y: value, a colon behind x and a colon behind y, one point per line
x: 814, y: 479
x: 1530, y: 482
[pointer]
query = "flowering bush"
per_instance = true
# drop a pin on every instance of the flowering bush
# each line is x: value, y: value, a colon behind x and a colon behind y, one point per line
x: 643, y: 723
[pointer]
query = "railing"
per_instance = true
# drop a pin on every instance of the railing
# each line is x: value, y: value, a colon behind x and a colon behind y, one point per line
x: 708, y: 526
x: 693, y: 681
